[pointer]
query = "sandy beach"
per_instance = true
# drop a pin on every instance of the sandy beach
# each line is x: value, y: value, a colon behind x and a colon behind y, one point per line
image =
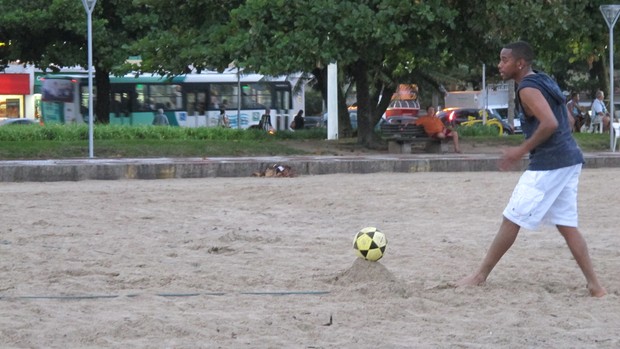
x: 268, y: 263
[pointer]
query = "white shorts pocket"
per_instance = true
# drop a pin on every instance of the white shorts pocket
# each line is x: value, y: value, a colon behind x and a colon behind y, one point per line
x: 525, y: 200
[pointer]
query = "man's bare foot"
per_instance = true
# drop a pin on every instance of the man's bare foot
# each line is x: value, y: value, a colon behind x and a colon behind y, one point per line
x: 472, y: 280
x: 598, y: 291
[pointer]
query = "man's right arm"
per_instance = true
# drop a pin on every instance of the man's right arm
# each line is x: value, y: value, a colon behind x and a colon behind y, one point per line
x: 534, y: 105
x: 597, y: 107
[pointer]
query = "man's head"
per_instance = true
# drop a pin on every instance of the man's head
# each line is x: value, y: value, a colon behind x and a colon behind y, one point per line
x: 600, y: 95
x: 515, y: 60
x: 430, y: 110
x: 522, y: 50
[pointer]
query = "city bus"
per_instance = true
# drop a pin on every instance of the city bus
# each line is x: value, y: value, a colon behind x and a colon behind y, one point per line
x: 191, y: 100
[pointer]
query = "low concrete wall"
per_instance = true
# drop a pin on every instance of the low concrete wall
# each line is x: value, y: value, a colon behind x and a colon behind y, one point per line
x: 115, y: 169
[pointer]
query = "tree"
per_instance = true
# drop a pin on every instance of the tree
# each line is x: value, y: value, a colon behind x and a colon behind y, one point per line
x: 42, y: 33
x: 52, y: 35
x: 188, y: 38
x: 569, y: 36
x: 377, y: 43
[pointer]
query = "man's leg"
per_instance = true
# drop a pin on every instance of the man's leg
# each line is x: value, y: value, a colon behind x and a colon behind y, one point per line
x: 448, y: 133
x: 606, y: 120
x: 505, y: 237
x: 455, y: 139
x: 579, y: 248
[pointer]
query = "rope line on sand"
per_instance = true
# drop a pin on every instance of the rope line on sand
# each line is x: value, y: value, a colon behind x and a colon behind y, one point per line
x: 167, y: 295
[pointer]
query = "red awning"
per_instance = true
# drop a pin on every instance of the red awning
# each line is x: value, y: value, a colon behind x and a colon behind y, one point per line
x: 14, y: 84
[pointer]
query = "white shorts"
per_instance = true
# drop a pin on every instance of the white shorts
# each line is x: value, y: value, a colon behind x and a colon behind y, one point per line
x: 545, y: 197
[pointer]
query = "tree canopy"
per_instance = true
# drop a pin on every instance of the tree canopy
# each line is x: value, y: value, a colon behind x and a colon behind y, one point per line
x: 377, y: 43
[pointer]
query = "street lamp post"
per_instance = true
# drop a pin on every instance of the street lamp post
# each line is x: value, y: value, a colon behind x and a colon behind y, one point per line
x: 332, y: 101
x: 610, y: 13
x: 89, y: 6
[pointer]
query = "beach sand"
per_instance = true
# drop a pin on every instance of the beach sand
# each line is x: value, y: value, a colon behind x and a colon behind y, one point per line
x: 268, y: 263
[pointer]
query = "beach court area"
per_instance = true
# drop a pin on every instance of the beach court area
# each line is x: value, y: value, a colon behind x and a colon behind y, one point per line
x: 254, y: 262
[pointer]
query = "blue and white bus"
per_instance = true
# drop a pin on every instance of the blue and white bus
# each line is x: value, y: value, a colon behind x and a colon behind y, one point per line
x: 192, y: 100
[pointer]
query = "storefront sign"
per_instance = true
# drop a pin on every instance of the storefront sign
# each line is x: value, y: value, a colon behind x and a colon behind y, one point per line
x: 14, y: 84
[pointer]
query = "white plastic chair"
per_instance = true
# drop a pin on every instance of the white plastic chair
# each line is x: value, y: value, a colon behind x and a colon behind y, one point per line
x: 593, y: 125
x: 615, y: 126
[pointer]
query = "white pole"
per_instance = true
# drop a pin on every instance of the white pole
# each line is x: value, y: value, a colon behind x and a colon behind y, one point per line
x: 611, y: 86
x: 89, y: 5
x: 239, y: 99
x: 484, y: 93
x: 332, y: 101
x: 610, y: 13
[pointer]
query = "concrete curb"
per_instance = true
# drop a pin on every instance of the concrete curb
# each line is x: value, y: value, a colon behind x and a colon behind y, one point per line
x: 163, y: 168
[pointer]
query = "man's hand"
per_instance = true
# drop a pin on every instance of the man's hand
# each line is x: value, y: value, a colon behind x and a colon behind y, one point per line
x: 511, y: 158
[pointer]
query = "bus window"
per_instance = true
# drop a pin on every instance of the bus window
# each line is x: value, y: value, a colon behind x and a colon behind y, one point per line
x: 255, y: 96
x: 196, y: 102
x: 191, y: 102
x: 121, y: 104
x: 57, y: 90
x: 177, y: 100
x: 284, y: 100
x: 141, y: 97
x: 163, y: 96
x: 224, y: 92
x: 84, y: 100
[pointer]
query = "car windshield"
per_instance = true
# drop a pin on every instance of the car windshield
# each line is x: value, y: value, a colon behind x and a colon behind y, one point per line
x: 400, y: 120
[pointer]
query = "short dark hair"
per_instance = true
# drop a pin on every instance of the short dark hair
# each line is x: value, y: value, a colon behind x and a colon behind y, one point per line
x: 521, y: 50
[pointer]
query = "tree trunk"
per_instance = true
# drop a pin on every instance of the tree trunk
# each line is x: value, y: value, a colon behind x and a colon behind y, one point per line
x: 365, y: 132
x: 384, y: 95
x: 599, y: 71
x: 344, y: 120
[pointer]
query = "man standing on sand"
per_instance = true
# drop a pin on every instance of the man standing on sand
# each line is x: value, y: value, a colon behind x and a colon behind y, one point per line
x: 547, y: 190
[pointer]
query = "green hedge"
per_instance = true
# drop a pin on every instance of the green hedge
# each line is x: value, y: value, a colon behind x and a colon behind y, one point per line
x: 120, y: 132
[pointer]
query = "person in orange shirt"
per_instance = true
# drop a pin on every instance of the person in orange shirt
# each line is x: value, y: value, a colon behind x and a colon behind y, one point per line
x: 436, y: 129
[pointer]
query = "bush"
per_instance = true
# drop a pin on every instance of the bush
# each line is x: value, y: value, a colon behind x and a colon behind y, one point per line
x: 125, y: 132
x: 478, y: 130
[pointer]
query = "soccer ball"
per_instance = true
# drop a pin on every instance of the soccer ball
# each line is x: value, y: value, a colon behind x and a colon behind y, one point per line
x: 369, y: 244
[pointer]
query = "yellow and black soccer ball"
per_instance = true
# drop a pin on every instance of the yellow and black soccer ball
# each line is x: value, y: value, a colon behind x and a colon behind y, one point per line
x: 369, y: 244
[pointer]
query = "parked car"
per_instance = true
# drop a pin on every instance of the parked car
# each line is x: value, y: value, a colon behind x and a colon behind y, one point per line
x: 313, y: 121
x: 503, y: 113
x: 18, y: 121
x: 352, y: 116
x: 517, y: 129
x: 395, y: 120
x: 457, y: 116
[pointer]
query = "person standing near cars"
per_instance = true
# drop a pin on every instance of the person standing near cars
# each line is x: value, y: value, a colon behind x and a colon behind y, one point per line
x: 547, y: 190
x: 265, y: 121
x: 223, y: 120
x: 298, y: 121
x: 160, y: 118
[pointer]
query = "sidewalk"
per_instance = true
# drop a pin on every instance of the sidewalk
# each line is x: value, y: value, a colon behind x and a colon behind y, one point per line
x: 162, y: 168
